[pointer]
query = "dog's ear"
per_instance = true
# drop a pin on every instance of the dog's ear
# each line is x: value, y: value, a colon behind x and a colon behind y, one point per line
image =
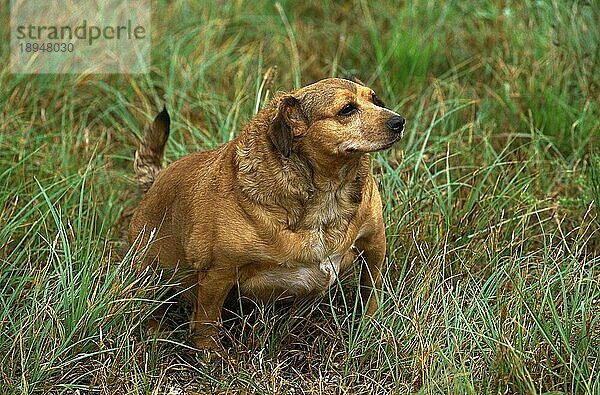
x: 288, y: 122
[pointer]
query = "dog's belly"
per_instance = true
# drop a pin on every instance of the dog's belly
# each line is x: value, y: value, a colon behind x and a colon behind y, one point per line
x: 294, y: 280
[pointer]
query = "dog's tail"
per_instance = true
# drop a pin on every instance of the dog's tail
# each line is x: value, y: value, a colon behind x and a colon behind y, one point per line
x: 148, y: 157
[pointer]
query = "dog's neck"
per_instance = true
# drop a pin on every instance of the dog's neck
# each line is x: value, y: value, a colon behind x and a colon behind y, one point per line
x: 294, y: 185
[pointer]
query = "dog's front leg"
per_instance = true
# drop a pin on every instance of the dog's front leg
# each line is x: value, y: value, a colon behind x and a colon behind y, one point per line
x: 211, y: 291
x: 373, y: 251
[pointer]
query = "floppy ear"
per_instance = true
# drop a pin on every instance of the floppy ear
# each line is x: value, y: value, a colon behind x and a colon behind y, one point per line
x: 288, y: 118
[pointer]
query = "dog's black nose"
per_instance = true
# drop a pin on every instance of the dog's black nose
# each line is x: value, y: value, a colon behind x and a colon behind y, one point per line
x: 396, y: 123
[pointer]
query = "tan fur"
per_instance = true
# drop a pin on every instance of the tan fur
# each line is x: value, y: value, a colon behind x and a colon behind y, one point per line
x: 280, y: 210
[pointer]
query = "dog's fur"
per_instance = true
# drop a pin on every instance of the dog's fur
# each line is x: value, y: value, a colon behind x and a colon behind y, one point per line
x: 281, y: 210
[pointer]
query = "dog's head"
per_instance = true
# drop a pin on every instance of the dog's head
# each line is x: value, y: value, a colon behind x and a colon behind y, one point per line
x: 332, y: 119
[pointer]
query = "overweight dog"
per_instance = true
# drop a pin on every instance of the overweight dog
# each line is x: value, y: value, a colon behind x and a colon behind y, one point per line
x: 280, y: 211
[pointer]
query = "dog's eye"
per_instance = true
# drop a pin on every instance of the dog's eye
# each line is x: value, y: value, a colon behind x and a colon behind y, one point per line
x: 348, y: 109
x: 376, y: 100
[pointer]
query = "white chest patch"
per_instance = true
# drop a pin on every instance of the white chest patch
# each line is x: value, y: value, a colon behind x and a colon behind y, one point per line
x: 331, y: 268
x: 296, y: 279
x: 314, y: 278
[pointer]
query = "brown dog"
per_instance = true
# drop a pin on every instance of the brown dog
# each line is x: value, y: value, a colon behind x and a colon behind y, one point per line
x: 281, y: 210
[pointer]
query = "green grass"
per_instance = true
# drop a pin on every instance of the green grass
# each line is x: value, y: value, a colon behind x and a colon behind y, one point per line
x: 491, y: 201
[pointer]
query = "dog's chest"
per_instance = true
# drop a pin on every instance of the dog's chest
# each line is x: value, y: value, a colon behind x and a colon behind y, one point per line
x: 326, y: 251
x: 327, y: 216
x: 299, y: 277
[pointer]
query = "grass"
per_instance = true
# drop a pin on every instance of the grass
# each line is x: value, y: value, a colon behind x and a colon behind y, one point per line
x: 491, y: 203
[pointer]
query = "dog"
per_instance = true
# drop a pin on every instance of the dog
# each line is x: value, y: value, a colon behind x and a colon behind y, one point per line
x: 279, y: 211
